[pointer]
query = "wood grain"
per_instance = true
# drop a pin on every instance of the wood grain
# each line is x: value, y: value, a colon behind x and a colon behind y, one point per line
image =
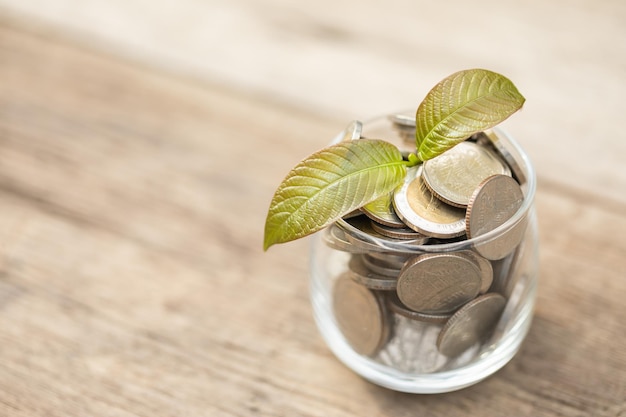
x: 132, y: 280
x: 353, y: 59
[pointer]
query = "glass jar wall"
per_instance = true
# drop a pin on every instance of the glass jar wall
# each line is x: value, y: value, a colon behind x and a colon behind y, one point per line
x: 420, y: 313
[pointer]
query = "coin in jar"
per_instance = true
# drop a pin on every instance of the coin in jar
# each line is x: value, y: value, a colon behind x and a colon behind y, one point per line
x: 403, y: 121
x: 471, y: 324
x: 438, y: 282
x: 351, y: 132
x: 486, y: 270
x: 404, y: 233
x: 405, y: 126
x: 361, y: 315
x: 392, y: 260
x: 381, y: 267
x: 491, y: 138
x: 422, y: 212
x: 335, y: 238
x: 494, y: 202
x: 381, y: 211
x: 398, y: 307
x: 362, y: 274
x: 454, y: 175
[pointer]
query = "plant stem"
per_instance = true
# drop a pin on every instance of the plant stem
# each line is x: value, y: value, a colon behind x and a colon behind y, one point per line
x: 413, y: 160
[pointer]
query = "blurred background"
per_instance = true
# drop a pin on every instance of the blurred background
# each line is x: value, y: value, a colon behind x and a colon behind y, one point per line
x: 348, y: 59
x: 141, y: 142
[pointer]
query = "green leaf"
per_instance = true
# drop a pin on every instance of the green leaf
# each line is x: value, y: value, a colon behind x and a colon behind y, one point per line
x: 329, y: 184
x: 465, y: 103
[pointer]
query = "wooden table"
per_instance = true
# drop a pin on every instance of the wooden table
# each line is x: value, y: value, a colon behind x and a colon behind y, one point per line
x: 134, y: 189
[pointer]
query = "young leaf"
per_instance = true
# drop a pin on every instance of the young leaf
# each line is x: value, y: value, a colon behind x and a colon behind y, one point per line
x: 465, y: 103
x: 329, y: 184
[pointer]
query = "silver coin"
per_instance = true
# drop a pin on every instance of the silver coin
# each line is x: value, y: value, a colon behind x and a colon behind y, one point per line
x: 381, y: 267
x: 361, y: 274
x: 413, y: 347
x: 501, y: 272
x: 485, y: 267
x: 471, y: 324
x: 401, y: 234
x: 491, y: 138
x: 509, y: 271
x: 402, y: 121
x: 422, y: 212
x: 405, y: 128
x: 438, y: 283
x: 361, y: 316
x: 395, y: 305
x: 392, y: 260
x: 364, y: 225
x: 494, y: 202
x: 454, y: 175
x: 335, y: 238
x: 351, y: 132
x: 381, y: 211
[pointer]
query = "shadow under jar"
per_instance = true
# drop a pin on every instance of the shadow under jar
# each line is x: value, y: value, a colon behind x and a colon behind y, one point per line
x: 429, y: 314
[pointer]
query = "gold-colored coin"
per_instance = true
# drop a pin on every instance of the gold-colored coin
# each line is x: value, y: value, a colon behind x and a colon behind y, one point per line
x: 422, y: 212
x: 473, y: 323
x: 438, y: 283
x: 454, y: 175
x: 361, y: 316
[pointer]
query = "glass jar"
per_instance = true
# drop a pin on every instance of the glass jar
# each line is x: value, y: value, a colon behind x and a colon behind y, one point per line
x: 401, y: 349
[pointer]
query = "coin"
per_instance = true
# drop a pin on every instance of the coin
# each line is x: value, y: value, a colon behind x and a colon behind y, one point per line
x: 335, y: 238
x: 486, y: 270
x: 381, y: 267
x: 454, y: 175
x: 381, y: 211
x: 361, y: 316
x: 401, y: 234
x: 402, y: 121
x: 392, y: 260
x: 413, y: 347
x: 395, y: 305
x: 361, y: 274
x: 422, y: 212
x: 364, y: 225
x: 351, y: 132
x: 438, y: 283
x: 471, y: 324
x: 494, y: 202
x: 510, y: 271
x: 491, y: 138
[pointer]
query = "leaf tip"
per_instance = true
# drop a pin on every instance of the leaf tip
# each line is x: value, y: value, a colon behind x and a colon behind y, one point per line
x: 269, y: 238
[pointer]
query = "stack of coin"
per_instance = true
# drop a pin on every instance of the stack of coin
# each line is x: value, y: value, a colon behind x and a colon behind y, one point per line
x: 404, y: 282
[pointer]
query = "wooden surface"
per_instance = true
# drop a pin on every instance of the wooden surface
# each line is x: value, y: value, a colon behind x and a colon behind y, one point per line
x: 132, y: 201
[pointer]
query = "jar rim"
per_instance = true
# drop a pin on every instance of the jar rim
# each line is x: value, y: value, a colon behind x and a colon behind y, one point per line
x: 528, y: 189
